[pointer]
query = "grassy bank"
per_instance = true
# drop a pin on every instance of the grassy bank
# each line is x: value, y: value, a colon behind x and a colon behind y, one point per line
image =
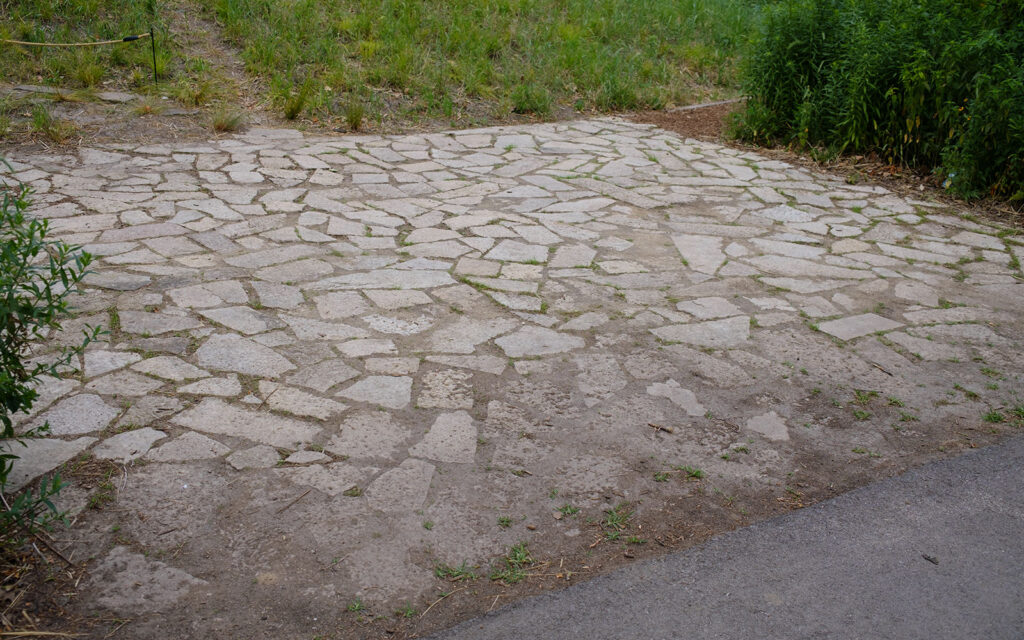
x: 449, y: 58
x: 935, y: 84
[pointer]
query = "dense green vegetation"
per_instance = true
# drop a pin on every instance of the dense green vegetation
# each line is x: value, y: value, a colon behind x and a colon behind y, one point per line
x: 36, y: 277
x: 526, y: 56
x: 926, y: 83
x: 78, y: 21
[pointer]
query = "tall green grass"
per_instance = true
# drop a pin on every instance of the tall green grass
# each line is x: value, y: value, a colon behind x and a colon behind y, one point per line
x: 527, y: 56
x: 926, y: 83
x: 79, y: 21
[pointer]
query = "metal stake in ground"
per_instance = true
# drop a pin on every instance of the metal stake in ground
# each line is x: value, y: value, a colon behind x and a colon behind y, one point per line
x: 152, y: 42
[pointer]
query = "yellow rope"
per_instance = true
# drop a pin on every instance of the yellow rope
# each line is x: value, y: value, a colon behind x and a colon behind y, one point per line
x: 76, y: 44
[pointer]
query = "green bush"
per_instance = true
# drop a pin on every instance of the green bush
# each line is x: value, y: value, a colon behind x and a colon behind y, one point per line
x: 36, y: 277
x: 925, y: 83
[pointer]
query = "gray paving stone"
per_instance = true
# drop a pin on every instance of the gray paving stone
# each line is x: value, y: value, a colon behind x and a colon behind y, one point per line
x: 170, y: 368
x: 769, y: 425
x: 259, y: 457
x: 40, y: 456
x: 129, y: 445
x: 723, y: 334
x: 452, y: 438
x: 393, y: 392
x: 856, y: 326
x: 78, y: 414
x: 538, y: 341
x: 213, y: 415
x: 402, y: 489
x: 231, y: 352
x: 368, y: 434
x: 190, y: 446
x: 683, y: 398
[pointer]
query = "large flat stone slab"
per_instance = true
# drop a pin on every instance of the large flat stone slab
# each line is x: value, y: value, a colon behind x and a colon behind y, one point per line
x: 856, y: 326
x: 722, y: 334
x: 213, y: 415
x: 231, y: 352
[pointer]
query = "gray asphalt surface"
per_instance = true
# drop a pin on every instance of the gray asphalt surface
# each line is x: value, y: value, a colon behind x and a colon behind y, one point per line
x: 851, y: 567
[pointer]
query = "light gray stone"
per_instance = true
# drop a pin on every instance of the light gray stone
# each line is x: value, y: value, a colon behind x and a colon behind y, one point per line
x: 231, y: 352
x: 856, y: 326
x: 215, y: 416
x: 683, y: 398
x: 769, y: 425
x: 402, y: 489
x: 259, y: 457
x: 452, y: 438
x: 393, y: 392
x: 78, y: 414
x: 724, y: 334
x: 170, y: 368
x: 538, y: 341
x: 368, y: 434
x: 39, y: 456
x: 129, y: 445
x: 191, y: 446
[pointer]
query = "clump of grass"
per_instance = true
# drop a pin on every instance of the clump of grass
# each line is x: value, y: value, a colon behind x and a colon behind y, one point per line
x: 226, y: 119
x: 454, y: 574
x: 512, y: 567
x: 921, y: 83
x: 354, y: 112
x: 295, y: 100
x: 55, y: 129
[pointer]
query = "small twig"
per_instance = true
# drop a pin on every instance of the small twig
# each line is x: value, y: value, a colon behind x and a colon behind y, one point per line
x: 117, y: 628
x: 440, y: 599
x: 495, y: 602
x: 658, y: 427
x: 282, y: 509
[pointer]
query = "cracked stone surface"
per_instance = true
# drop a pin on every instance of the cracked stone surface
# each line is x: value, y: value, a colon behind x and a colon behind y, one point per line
x: 447, y: 327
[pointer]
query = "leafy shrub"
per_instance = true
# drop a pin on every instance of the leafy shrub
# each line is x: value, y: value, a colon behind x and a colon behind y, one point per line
x: 926, y: 83
x: 36, y: 277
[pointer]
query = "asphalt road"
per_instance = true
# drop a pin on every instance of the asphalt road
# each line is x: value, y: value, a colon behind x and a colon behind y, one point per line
x: 856, y: 566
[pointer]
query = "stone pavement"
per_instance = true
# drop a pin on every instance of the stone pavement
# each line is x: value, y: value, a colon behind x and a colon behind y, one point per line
x: 432, y: 331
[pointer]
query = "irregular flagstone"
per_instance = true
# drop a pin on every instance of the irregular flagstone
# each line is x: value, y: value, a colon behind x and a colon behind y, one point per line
x: 100, y: 362
x: 128, y: 582
x: 709, y: 308
x: 448, y: 389
x: 191, y: 446
x: 452, y: 438
x: 231, y: 352
x: 299, y: 403
x: 333, y: 479
x: 149, y: 409
x: 228, y: 386
x: 385, y: 279
x: 170, y: 368
x: 242, y: 319
x: 464, y: 334
x: 393, y: 392
x: 259, y: 457
x: 323, y: 375
x: 154, y: 323
x: 402, y: 489
x: 701, y: 253
x: 727, y: 333
x: 514, y: 251
x: 683, y: 398
x: 487, y: 364
x: 769, y: 425
x: 78, y: 414
x: 215, y: 416
x: 129, y: 445
x: 856, y: 326
x: 39, y: 456
x: 368, y: 434
x: 538, y: 341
